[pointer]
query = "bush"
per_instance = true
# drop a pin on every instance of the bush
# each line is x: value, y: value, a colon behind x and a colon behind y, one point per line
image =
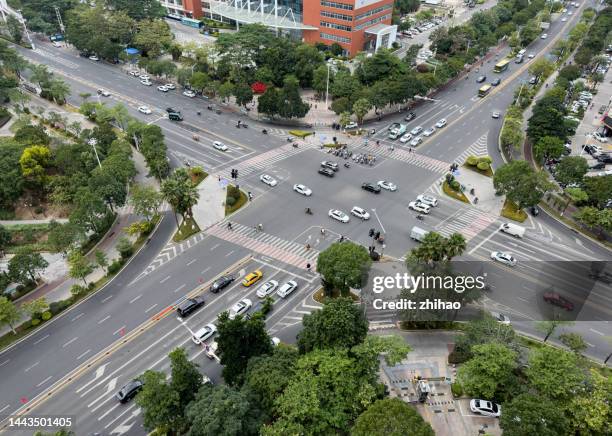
x: 471, y: 160
x: 115, y: 266
x: 230, y: 201
x: 456, y: 389
x: 300, y: 133
x: 455, y: 186
x: 486, y: 159
x: 34, y: 322
x: 483, y: 166
x: 39, y: 210
x: 124, y: 247
x: 78, y: 290
x: 46, y: 316
x: 57, y: 306
x: 458, y: 356
x: 147, y: 227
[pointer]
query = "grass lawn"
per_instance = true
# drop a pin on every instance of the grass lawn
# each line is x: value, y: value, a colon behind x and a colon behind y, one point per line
x: 319, y: 296
x: 511, y: 211
x: 188, y: 228
x: 454, y: 194
x: 197, y: 175
x: 488, y: 172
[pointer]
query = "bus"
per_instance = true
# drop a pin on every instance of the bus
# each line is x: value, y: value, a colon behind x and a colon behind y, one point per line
x: 501, y: 66
x: 484, y: 90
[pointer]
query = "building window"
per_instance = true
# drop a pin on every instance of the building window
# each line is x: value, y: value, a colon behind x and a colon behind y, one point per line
x: 373, y: 21
x: 373, y: 12
x: 336, y: 5
x: 336, y: 16
x: 335, y: 26
x: 335, y: 38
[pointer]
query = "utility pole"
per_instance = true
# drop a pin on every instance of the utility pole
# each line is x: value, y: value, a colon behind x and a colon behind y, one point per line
x: 59, y: 19
x: 93, y: 143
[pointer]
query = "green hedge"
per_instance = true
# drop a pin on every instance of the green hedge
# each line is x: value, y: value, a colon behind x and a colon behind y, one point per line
x: 300, y: 133
x: 234, y: 199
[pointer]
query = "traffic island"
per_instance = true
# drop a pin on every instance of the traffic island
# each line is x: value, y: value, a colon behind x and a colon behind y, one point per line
x: 234, y: 200
x: 457, y: 195
x: 187, y: 229
x: 512, y: 212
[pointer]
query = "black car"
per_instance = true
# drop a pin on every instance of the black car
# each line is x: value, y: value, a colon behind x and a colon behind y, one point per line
x: 175, y: 116
x: 605, y: 158
x: 171, y: 110
x: 190, y: 305
x: 590, y: 149
x: 411, y: 116
x: 496, y: 82
x: 327, y: 172
x: 129, y: 391
x: 221, y: 283
x: 331, y: 165
x: 372, y: 187
x: 535, y: 211
x: 598, y: 166
x: 481, y: 79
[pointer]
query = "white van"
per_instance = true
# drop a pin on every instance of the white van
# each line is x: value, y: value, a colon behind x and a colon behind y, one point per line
x: 513, y: 229
x: 418, y: 234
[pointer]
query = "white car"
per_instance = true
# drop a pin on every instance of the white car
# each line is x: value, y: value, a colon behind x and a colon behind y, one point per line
x: 599, y: 137
x: 287, y: 288
x: 360, y: 212
x: 428, y: 200
x: 501, y: 318
x: 56, y: 44
x: 338, y: 215
x: 418, y: 207
x: 162, y: 88
x: 275, y: 341
x: 441, y: 123
x: 204, y: 333
x: 505, y: 258
x: 94, y: 58
x: 267, y: 288
x: 407, y: 137
x: 240, y: 308
x: 416, y: 141
x: 302, y: 189
x: 544, y: 36
x: 495, y: 114
x: 531, y: 55
x: 146, y: 83
x: 486, y: 408
x: 429, y: 132
x: 563, y: 20
x: 416, y: 130
x: 387, y: 185
x: 134, y: 73
x: 170, y: 86
x: 189, y: 93
x: 145, y: 110
x: 144, y: 77
x: 268, y: 180
x: 351, y: 125
x: 219, y: 146
x: 569, y: 12
x: 103, y: 92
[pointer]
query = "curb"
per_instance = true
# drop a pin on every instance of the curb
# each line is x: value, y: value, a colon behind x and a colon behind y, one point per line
x: 84, y: 299
x: 113, y: 347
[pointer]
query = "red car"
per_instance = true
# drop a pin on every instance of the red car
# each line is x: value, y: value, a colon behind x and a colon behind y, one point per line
x: 558, y: 300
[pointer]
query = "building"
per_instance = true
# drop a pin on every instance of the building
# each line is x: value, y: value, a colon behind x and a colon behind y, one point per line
x: 356, y: 25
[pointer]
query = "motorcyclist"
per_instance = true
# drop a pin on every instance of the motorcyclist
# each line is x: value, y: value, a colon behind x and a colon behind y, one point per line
x: 308, y: 211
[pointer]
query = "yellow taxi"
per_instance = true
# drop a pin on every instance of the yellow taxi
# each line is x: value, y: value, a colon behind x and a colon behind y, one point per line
x: 252, y: 278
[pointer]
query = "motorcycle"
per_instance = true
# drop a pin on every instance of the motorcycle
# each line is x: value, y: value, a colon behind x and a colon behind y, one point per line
x: 420, y: 217
x: 264, y: 131
x: 347, y: 165
x: 195, y: 137
x: 289, y: 140
x: 308, y: 211
x: 295, y: 145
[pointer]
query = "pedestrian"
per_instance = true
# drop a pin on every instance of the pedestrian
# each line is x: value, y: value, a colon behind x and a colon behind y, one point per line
x: 219, y: 178
x: 229, y: 225
x: 409, y: 149
x: 377, y: 235
x: 308, y: 266
x: 307, y: 246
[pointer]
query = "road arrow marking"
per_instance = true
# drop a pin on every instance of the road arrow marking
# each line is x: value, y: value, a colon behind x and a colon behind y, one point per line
x: 111, y: 385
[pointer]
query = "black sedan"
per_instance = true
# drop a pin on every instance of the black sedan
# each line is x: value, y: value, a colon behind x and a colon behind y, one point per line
x: 481, y: 79
x: 372, y: 187
x: 221, y: 283
x: 190, y: 305
x: 327, y: 172
x: 129, y: 391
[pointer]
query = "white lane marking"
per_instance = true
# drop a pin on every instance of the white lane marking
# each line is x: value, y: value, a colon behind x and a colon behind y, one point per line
x: 379, y: 222
x: 151, y: 308
x: 596, y: 331
x: 44, y: 381
x: 483, y: 241
x: 179, y: 288
x: 5, y: 362
x: 70, y: 342
x: 4, y: 408
x: 118, y: 330
x: 77, y: 317
x: 205, y: 270
x: 164, y: 280
x: 134, y: 413
x: 101, y: 417
x: 229, y: 254
x: 523, y: 299
x: 106, y: 318
x: 214, y: 246
x: 30, y: 367
x: 41, y: 339
x: 83, y: 354
x: 106, y: 299
x: 191, y: 261
x: 135, y: 298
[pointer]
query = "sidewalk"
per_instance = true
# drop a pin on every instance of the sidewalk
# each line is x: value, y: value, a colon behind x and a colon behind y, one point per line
x: 211, y: 205
x: 488, y: 202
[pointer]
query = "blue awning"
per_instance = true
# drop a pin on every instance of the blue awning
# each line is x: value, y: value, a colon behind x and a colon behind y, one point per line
x: 132, y: 51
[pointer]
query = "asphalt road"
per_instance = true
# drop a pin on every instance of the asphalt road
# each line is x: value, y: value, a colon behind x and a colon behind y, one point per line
x: 154, y: 281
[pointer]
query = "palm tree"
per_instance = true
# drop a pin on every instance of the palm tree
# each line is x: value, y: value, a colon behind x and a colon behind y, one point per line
x: 455, y: 246
x: 59, y: 91
x: 179, y: 192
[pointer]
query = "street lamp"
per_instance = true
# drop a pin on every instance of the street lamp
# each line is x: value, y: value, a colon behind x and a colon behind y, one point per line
x: 327, y: 87
x: 93, y: 143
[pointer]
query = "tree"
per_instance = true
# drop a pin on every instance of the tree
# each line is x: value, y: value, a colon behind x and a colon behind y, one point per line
x: 239, y: 415
x: 32, y: 135
x: 521, y: 184
x: 34, y: 162
x: 436, y: 248
x: 597, y: 219
x: 179, y: 192
x: 548, y: 327
x: 5, y: 238
x: 571, y: 169
x: 341, y: 105
x: 591, y: 413
x: 25, y: 265
x: 541, y: 67
x: 15, y: 29
x: 599, y: 190
x: 62, y: 237
x: 35, y: 307
x: 577, y: 195
x: 489, y: 372
x: 199, y: 81
x: 11, y: 179
x: 290, y: 101
x: 146, y: 200
x: 361, y: 107
x: 268, y: 102
x: 320, y: 79
x: 531, y: 414
x: 226, y: 89
x: 344, y: 265
x: 391, y: 417
x: 138, y: 9
x: 555, y: 373
x: 243, y: 94
x: 570, y: 72
x: 548, y: 147
x: 268, y: 375
x: 340, y: 323
x: 574, y: 342
x: 80, y: 267
x: 345, y: 118
x: 152, y: 37
x: 89, y: 211
x: 59, y: 91
x: 484, y: 331
x: 101, y: 259
x: 232, y: 335
x: 9, y: 313
x: 186, y: 379
x: 160, y: 403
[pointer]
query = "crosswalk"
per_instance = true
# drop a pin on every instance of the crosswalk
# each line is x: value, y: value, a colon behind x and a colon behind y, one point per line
x: 58, y: 59
x: 289, y: 252
x: 467, y: 221
x: 478, y: 148
x: 409, y: 157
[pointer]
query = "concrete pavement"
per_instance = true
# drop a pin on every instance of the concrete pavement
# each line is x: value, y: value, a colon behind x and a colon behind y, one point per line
x: 210, y: 208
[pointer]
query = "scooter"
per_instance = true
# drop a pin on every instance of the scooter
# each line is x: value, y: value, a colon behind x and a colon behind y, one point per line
x: 264, y: 131
x: 347, y: 165
x: 295, y: 145
x: 420, y: 217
